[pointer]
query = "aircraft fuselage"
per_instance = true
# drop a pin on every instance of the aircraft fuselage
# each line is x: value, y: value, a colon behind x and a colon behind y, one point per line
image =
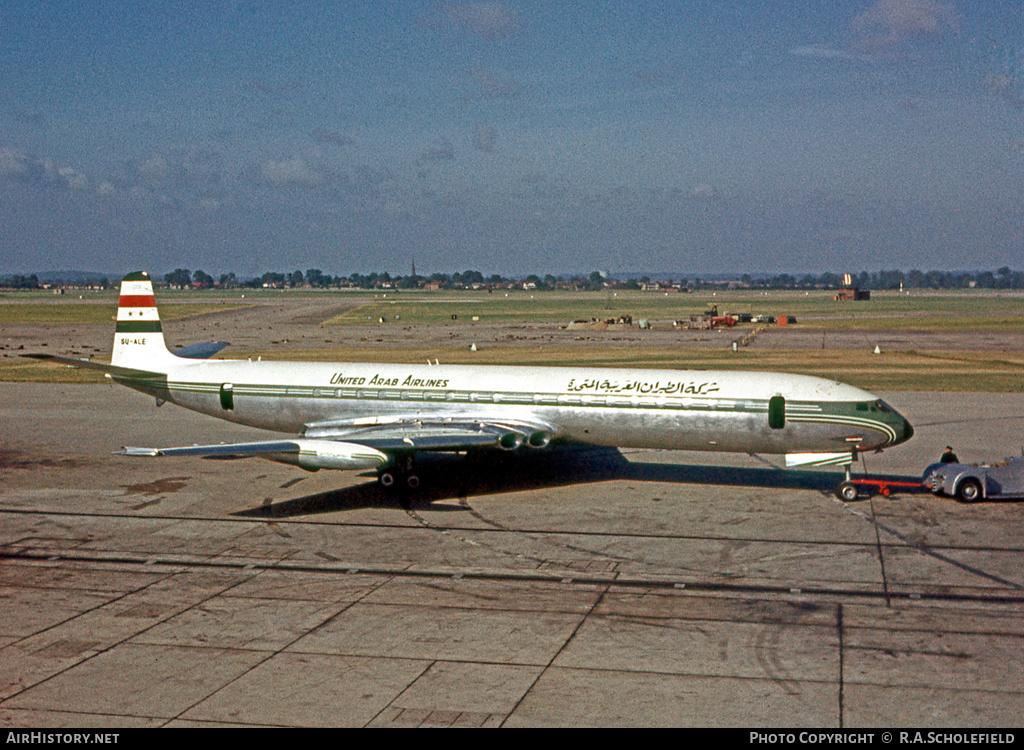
x: 754, y: 412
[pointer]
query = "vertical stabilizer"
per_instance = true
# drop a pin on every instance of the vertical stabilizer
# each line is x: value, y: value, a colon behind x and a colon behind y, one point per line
x: 139, y: 340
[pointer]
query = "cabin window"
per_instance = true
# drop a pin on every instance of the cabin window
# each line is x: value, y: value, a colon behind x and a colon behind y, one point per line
x: 777, y: 412
x: 227, y: 397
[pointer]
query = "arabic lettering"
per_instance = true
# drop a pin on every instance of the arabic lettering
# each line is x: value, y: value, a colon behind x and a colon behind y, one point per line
x: 643, y: 387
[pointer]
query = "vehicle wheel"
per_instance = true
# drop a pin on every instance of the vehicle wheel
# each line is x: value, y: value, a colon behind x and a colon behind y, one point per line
x: 968, y: 491
x: 847, y: 491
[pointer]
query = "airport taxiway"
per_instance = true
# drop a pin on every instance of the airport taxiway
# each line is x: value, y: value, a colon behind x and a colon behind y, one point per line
x: 561, y: 589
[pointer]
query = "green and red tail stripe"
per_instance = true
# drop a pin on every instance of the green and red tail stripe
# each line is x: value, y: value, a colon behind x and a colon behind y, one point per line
x: 136, y: 310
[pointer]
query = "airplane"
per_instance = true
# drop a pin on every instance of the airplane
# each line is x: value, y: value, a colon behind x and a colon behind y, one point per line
x: 379, y: 417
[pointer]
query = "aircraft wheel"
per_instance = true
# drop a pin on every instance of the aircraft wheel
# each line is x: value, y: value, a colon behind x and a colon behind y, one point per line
x: 412, y: 482
x: 847, y: 492
x: 968, y: 491
x: 387, y: 480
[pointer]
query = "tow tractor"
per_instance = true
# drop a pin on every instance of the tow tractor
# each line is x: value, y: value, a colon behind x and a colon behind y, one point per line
x: 849, y: 489
x: 968, y: 484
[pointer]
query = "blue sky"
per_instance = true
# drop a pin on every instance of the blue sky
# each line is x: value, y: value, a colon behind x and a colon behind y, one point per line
x: 511, y: 136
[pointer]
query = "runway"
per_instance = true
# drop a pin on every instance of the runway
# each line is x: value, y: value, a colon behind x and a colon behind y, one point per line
x: 594, y: 588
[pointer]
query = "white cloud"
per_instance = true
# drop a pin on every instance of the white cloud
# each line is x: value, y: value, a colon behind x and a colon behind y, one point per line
x: 704, y: 191
x: 889, y: 23
x: 293, y: 170
x: 488, y: 19
x: 828, y: 53
x: 18, y: 165
x: 154, y: 166
x: 12, y: 163
x: 72, y: 177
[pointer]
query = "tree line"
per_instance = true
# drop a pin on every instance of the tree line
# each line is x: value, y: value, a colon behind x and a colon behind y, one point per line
x: 317, y: 279
x: 1002, y: 278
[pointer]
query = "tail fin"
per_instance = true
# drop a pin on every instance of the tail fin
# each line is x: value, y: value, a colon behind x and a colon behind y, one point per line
x: 138, y: 339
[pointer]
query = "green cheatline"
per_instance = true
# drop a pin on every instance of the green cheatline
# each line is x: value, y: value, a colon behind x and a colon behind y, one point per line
x: 138, y: 326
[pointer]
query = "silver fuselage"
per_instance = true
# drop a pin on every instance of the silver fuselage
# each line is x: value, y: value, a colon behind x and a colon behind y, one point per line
x: 753, y: 412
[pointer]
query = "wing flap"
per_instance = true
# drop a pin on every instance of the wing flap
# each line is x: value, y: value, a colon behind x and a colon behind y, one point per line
x: 433, y: 435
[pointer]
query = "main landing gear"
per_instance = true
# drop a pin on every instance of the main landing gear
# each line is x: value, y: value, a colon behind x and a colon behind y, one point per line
x: 392, y: 480
x: 400, y: 476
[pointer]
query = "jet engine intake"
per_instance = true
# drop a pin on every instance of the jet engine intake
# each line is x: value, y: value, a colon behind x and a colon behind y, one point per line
x: 539, y: 439
x: 510, y: 441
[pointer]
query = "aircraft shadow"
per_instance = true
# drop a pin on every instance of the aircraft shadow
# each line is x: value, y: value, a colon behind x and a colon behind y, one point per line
x: 445, y: 477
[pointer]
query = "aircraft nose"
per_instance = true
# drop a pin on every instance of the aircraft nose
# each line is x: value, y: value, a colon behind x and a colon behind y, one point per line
x: 906, y: 432
x: 898, y: 428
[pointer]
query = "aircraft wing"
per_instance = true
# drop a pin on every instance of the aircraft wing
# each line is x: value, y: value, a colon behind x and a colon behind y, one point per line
x: 220, y: 450
x: 309, y: 454
x: 417, y: 434
x: 365, y: 446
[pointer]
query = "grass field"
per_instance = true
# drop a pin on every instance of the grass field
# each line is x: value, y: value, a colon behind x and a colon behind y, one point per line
x: 886, y: 312
x: 976, y: 311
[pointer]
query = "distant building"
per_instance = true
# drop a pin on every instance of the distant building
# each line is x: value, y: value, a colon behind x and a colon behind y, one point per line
x: 663, y: 286
x: 848, y: 295
x: 849, y: 292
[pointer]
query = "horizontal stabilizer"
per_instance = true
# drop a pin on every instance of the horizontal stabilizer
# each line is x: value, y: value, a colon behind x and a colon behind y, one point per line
x: 818, y: 459
x: 200, y: 351
x: 88, y: 364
